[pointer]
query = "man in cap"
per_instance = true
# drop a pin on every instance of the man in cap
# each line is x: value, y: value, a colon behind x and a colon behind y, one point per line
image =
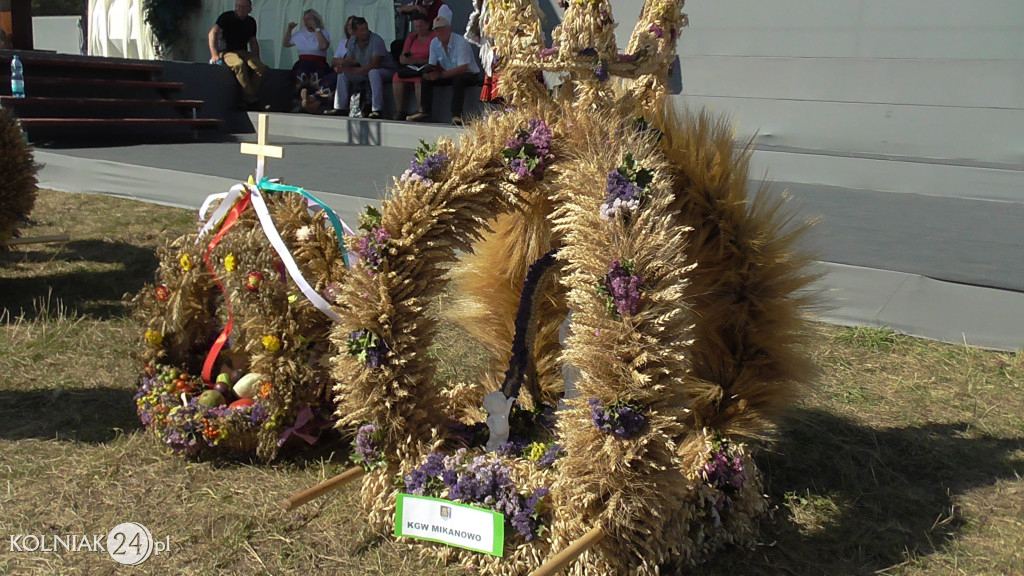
x: 451, y: 63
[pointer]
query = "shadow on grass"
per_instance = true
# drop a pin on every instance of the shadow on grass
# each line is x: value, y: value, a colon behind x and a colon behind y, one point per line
x: 92, y: 415
x: 862, y: 499
x: 93, y: 293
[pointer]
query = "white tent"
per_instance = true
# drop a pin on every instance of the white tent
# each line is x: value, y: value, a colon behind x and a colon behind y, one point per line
x: 117, y: 28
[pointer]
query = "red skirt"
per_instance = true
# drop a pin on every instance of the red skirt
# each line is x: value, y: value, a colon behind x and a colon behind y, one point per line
x: 489, y: 92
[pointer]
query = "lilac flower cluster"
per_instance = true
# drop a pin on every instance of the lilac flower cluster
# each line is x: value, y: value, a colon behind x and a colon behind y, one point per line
x: 624, y: 188
x: 428, y: 165
x: 369, y: 348
x: 623, y: 196
x: 366, y: 452
x: 481, y: 481
x: 529, y: 153
x: 371, y: 249
x: 723, y: 471
x: 601, y: 71
x: 623, y: 420
x: 621, y: 289
x: 371, y: 246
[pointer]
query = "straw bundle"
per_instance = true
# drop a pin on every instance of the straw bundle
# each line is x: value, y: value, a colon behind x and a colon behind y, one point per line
x: 18, y: 184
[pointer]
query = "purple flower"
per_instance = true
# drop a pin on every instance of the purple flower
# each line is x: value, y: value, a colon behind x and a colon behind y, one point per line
x: 371, y: 249
x: 724, y: 472
x: 623, y: 420
x: 545, y: 52
x: 366, y: 446
x: 427, y: 166
x: 658, y: 31
x: 589, y: 52
x: 484, y: 480
x: 369, y: 348
x: 549, y: 456
x: 622, y: 288
x: 601, y: 71
x: 529, y: 152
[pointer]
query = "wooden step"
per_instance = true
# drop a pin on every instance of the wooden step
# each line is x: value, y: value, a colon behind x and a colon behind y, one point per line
x: 159, y: 85
x: 11, y: 101
x: 47, y: 60
x: 197, y: 123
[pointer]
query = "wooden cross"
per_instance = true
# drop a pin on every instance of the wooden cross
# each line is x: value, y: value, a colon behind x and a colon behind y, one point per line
x: 261, y: 150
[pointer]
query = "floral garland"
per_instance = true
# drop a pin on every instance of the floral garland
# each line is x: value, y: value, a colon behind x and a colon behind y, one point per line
x: 481, y: 481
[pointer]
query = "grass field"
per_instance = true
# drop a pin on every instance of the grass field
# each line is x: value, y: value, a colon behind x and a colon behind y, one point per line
x: 906, y: 456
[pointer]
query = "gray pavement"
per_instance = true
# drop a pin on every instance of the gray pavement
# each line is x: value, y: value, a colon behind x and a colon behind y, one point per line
x: 938, y: 267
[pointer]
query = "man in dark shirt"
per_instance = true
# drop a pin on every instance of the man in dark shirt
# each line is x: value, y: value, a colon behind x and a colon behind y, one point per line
x: 236, y: 31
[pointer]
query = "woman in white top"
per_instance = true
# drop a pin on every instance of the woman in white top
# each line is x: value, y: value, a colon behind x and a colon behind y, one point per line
x: 311, y: 41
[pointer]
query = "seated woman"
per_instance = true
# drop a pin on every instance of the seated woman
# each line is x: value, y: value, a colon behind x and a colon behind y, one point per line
x: 315, y: 98
x: 311, y: 41
x: 415, y: 54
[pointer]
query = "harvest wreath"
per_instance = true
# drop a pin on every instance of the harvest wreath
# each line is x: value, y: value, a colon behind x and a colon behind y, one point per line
x: 601, y: 215
x: 234, y: 346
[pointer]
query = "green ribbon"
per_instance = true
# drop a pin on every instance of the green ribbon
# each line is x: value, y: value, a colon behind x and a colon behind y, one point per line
x: 339, y: 230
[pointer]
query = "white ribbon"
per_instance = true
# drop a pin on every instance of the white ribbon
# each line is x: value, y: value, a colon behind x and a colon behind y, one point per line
x: 228, y: 200
x: 281, y: 248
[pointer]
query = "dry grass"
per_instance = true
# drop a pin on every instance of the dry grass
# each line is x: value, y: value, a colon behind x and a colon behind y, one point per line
x: 905, y: 459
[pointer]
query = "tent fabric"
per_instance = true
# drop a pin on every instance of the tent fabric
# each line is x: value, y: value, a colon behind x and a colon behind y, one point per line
x: 117, y: 28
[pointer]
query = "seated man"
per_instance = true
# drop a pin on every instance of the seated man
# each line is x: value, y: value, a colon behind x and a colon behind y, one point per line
x: 451, y: 63
x: 237, y: 30
x: 366, y: 59
x: 428, y: 8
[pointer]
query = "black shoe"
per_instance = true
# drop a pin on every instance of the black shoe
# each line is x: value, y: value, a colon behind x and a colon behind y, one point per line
x: 374, y: 115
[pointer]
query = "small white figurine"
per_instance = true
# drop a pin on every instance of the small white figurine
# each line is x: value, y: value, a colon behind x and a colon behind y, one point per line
x: 498, y: 408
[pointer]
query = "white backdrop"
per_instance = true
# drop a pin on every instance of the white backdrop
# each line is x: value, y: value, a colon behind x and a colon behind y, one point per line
x: 117, y: 29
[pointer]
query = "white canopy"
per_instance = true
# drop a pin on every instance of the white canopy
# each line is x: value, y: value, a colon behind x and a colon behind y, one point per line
x: 117, y: 28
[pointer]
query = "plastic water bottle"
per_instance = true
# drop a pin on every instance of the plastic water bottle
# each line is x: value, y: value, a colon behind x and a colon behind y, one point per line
x: 17, y: 78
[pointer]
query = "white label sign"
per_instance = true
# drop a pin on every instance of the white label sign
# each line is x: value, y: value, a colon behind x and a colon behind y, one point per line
x: 450, y: 523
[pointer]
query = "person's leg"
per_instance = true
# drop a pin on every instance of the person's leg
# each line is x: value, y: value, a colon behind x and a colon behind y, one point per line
x: 258, y: 70
x: 377, y: 79
x: 426, y: 100
x: 341, y: 93
x: 459, y: 85
x: 398, y: 89
x: 236, y: 63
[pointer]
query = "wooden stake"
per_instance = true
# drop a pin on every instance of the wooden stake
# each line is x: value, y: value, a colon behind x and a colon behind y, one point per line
x: 572, y: 552
x: 39, y: 240
x: 323, y: 488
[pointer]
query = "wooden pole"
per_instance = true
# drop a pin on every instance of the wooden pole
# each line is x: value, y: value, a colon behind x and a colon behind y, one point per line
x: 39, y: 240
x: 572, y: 552
x: 323, y: 488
